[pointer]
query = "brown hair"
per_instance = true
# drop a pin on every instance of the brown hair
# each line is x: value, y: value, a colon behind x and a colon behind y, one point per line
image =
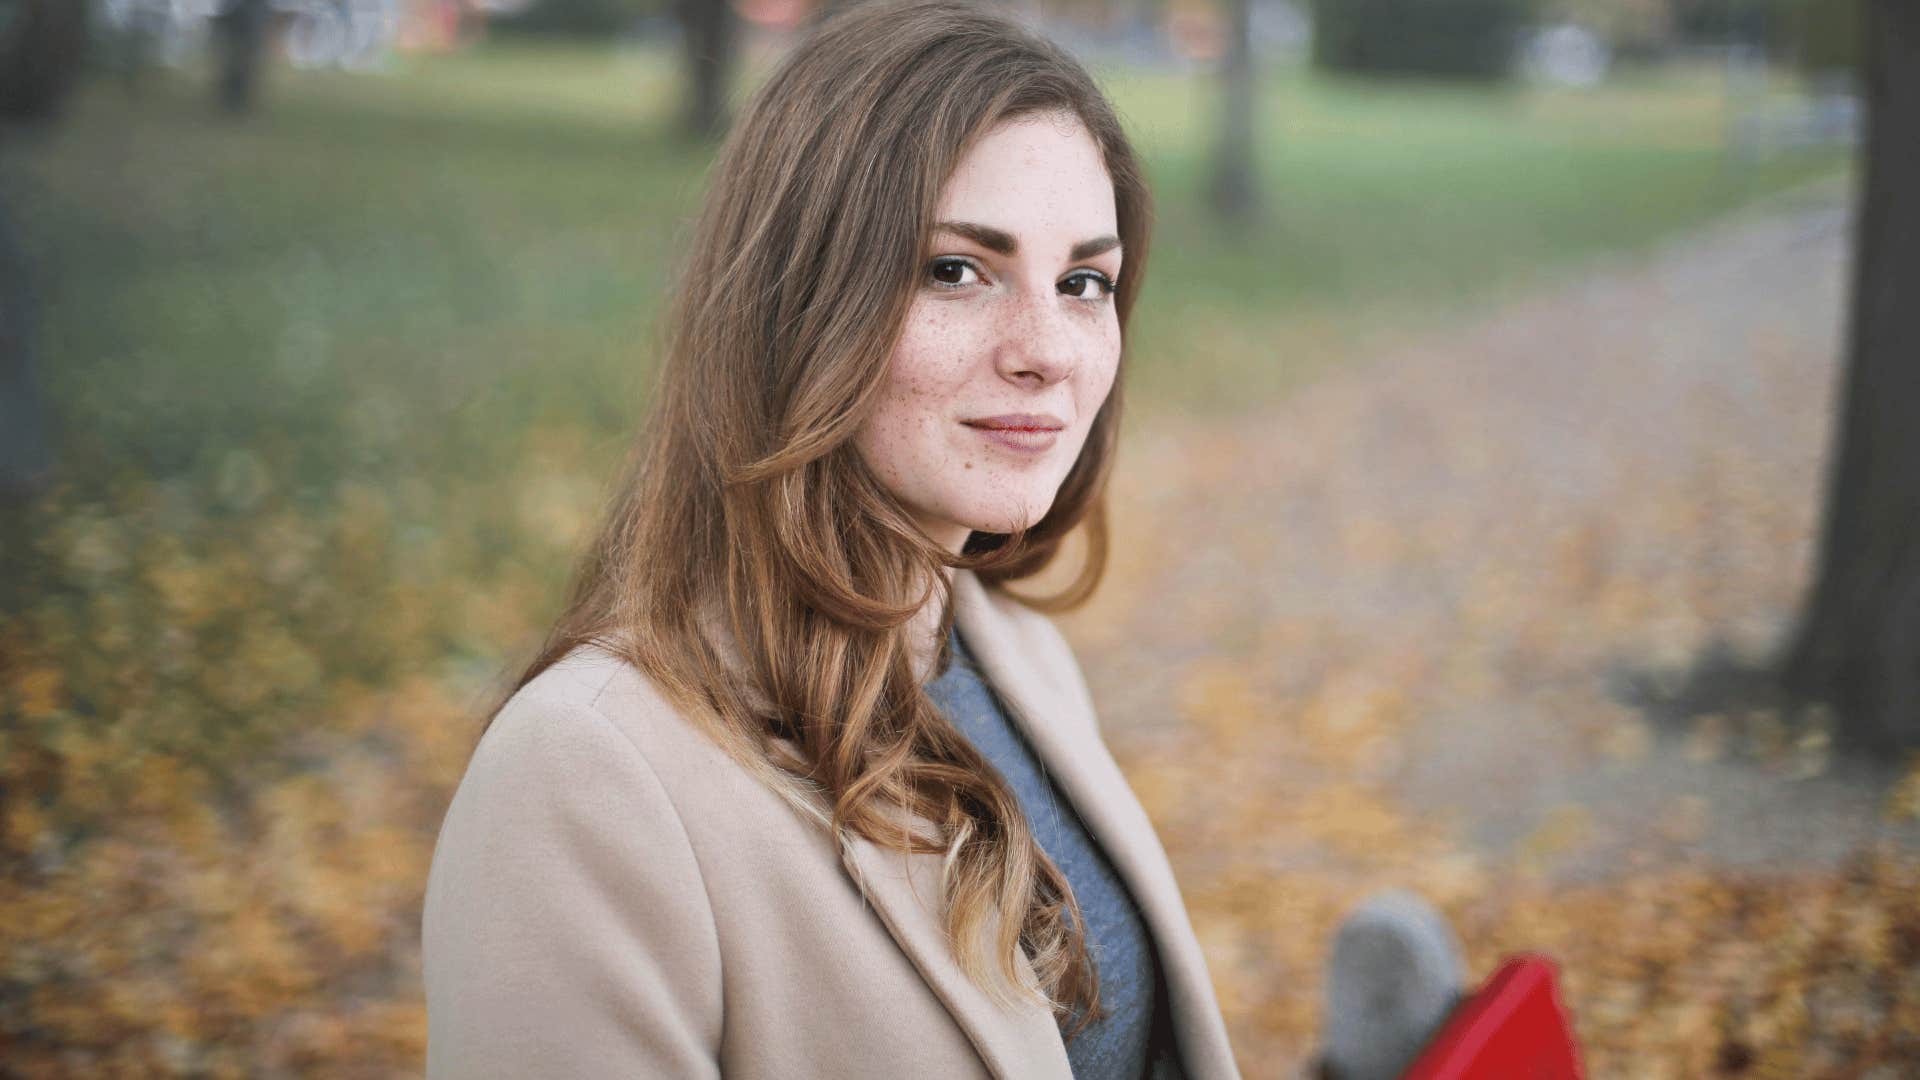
x: 748, y: 527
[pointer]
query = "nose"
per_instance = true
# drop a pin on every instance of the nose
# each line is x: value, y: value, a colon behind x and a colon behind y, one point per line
x: 1038, y: 346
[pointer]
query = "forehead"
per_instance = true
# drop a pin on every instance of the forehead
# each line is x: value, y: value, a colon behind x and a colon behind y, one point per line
x: 1039, y: 177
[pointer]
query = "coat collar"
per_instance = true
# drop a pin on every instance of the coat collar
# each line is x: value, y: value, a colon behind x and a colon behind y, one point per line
x: 1034, y: 675
x: 1015, y: 1041
x: 1034, y: 672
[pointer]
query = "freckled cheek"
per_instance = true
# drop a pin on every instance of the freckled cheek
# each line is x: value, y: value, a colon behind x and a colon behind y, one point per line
x: 931, y: 367
x: 1103, y: 367
x: 922, y: 392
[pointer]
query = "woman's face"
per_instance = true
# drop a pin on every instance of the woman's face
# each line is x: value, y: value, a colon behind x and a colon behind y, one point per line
x: 1012, y: 340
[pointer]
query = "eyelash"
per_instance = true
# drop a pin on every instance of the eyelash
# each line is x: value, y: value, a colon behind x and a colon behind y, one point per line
x: 1107, y: 285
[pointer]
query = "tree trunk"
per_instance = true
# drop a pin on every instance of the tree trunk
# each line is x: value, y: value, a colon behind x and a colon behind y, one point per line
x: 41, y: 49
x: 1858, y: 643
x: 1235, y: 187
x: 710, y: 38
x: 242, y: 33
x: 25, y: 457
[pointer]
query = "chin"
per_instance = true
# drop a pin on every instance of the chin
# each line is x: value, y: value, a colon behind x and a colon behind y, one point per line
x: 1006, y: 516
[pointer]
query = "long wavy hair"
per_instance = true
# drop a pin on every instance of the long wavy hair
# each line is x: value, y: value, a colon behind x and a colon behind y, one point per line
x: 751, y: 565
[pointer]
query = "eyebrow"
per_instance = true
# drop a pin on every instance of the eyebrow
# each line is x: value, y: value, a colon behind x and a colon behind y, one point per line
x: 1002, y: 242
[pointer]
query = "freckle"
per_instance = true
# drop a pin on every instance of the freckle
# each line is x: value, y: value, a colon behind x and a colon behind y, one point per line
x: 969, y: 464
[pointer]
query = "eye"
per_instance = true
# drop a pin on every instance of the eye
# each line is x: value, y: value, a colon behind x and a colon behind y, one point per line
x: 950, y: 271
x: 1075, y: 285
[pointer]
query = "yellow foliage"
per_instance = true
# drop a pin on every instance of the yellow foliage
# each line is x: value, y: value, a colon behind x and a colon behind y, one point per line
x: 1564, y: 828
x: 37, y: 691
x: 1903, y: 801
x: 181, y: 900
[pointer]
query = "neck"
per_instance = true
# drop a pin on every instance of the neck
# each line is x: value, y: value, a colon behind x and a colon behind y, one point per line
x: 923, y: 630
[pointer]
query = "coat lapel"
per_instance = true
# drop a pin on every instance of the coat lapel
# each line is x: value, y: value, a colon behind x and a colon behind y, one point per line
x: 1015, y: 1042
x: 1051, y: 710
x: 1038, y: 681
x: 904, y: 890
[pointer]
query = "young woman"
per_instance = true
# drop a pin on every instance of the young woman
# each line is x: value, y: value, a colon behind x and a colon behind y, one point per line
x: 803, y: 784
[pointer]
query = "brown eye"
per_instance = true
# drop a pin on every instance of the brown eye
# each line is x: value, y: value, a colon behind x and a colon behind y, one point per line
x: 952, y: 272
x: 1075, y: 285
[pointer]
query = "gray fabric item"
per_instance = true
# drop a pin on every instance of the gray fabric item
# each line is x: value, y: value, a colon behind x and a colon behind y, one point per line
x: 1135, y: 1030
x: 1394, y: 976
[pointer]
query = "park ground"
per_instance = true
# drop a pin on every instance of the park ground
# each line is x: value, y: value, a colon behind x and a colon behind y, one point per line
x: 1446, y: 483
x: 1447, y: 619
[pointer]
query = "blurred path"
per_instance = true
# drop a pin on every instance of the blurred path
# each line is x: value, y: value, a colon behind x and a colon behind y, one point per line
x: 1426, y: 579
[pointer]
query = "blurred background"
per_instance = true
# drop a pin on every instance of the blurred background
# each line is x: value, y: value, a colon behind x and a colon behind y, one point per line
x: 1514, y: 504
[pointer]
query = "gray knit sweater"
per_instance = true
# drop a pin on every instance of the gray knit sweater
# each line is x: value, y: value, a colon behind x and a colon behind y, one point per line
x: 1133, y: 1032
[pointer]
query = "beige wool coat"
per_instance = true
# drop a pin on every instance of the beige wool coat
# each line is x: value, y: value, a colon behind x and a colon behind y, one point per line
x: 613, y: 896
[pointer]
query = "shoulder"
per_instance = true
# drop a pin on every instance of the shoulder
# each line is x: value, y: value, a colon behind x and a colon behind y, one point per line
x: 571, y: 787
x: 564, y: 860
x: 587, y: 748
x: 594, y: 701
x: 577, y: 741
x: 557, y: 720
x: 583, y: 679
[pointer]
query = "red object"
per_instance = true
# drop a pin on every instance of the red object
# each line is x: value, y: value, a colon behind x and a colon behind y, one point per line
x: 1514, y: 1029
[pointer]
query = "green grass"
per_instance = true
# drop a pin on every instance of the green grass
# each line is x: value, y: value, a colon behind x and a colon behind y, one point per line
x: 337, y: 388
x: 475, y: 229
x: 416, y: 268
x: 1389, y: 206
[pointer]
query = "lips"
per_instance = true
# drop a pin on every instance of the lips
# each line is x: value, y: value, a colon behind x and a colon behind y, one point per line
x: 1018, y: 422
x: 1024, y: 433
